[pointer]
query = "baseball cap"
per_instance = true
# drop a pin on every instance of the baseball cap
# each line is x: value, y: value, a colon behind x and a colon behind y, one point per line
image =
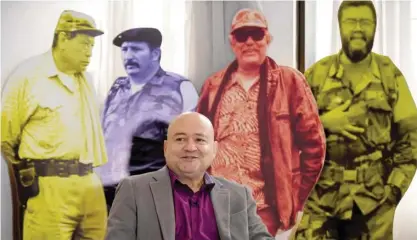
x: 248, y: 18
x: 73, y: 21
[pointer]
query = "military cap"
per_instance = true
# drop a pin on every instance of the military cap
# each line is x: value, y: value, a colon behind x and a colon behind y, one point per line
x: 150, y: 35
x: 73, y: 21
x: 248, y: 18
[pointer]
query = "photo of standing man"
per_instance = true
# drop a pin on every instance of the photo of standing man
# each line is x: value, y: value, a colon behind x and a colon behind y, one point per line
x: 52, y: 136
x: 266, y: 123
x: 139, y: 108
x: 370, y: 119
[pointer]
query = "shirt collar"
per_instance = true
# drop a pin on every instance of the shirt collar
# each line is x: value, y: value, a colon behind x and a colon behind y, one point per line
x: 52, y: 71
x: 235, y: 80
x: 155, y: 79
x: 207, y: 185
x: 336, y: 69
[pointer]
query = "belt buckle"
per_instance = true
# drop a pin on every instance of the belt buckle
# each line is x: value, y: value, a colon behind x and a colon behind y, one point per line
x: 84, y: 169
x: 350, y: 175
x: 62, y: 169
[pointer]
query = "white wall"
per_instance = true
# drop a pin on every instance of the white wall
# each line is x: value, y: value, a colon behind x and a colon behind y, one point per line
x: 281, y: 23
x: 405, y: 221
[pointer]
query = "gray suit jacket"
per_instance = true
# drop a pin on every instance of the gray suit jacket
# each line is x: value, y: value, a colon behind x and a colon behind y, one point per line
x: 143, y: 209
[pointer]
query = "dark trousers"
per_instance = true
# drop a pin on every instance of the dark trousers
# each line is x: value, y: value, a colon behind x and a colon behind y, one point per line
x: 110, y: 191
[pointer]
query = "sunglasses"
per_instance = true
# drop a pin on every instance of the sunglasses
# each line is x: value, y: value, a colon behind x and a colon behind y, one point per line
x: 256, y: 34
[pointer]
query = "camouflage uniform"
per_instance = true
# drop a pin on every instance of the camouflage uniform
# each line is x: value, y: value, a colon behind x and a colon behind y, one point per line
x: 362, y: 180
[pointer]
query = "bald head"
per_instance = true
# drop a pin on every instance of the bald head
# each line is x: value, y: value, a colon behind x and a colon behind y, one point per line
x: 189, y: 119
x: 190, y: 147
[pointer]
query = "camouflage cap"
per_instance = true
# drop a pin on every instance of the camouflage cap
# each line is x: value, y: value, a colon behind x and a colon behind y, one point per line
x: 248, y: 18
x: 73, y: 21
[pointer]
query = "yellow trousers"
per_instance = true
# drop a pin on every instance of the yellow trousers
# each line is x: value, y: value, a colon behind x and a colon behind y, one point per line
x: 67, y: 208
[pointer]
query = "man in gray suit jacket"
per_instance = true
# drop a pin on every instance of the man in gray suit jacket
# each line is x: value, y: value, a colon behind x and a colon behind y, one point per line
x: 182, y: 201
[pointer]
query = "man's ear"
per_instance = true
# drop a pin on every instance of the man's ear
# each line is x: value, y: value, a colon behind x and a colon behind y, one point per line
x: 156, y: 54
x: 231, y: 39
x: 269, y: 38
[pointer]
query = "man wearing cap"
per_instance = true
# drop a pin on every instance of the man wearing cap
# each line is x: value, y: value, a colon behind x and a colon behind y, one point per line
x: 266, y: 124
x: 139, y: 108
x: 51, y: 133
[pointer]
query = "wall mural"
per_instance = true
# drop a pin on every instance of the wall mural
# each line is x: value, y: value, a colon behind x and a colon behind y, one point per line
x: 342, y: 125
x: 46, y: 140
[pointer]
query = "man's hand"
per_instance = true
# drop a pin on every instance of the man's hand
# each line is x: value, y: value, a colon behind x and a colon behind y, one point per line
x: 337, y: 121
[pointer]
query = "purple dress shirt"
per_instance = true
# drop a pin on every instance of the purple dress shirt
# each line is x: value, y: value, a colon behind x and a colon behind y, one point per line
x: 194, y: 212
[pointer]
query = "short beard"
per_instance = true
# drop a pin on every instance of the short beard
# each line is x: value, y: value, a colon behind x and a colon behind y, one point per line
x: 357, y: 55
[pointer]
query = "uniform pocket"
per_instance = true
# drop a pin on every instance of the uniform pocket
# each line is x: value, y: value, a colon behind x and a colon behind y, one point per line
x: 377, y: 100
x: 48, y: 119
x: 380, y: 119
x: 48, y: 108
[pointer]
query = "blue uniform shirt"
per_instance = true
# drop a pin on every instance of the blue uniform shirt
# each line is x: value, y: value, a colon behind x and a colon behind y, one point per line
x: 135, y: 122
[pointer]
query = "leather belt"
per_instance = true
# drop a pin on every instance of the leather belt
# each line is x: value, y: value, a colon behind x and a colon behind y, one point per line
x: 61, y: 168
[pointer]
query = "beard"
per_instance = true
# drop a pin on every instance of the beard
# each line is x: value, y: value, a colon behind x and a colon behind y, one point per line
x: 357, y: 55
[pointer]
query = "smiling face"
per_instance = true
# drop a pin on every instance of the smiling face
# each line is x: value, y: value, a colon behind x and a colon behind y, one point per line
x: 250, y: 45
x: 190, y: 147
x: 357, y: 31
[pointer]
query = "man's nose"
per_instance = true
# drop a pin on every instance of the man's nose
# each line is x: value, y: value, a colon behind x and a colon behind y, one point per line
x: 88, y: 54
x: 358, y: 27
x: 128, y: 54
x: 190, y: 146
x: 250, y: 40
x: 88, y: 51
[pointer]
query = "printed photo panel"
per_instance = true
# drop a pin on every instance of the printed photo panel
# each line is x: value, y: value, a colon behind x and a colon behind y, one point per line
x: 264, y: 115
x: 369, y: 117
x: 52, y: 137
x: 139, y: 108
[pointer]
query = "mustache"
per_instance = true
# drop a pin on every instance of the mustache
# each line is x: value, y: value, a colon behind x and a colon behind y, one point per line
x: 131, y: 63
x: 358, y: 36
x: 249, y: 49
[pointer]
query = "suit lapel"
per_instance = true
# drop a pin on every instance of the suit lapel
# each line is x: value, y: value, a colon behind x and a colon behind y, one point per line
x: 163, y: 198
x: 221, y: 203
